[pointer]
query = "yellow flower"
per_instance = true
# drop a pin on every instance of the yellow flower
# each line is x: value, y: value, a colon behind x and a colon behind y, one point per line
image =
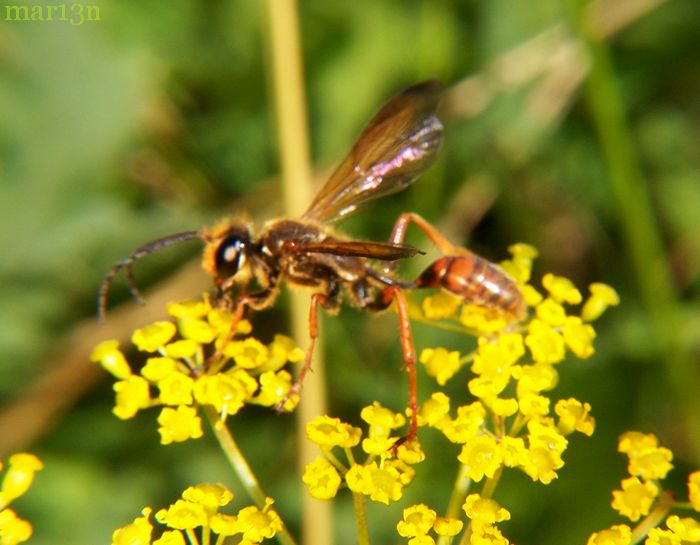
x: 183, y: 515
x: 503, y: 407
x: 484, y: 511
x: 189, y: 309
x: 421, y: 540
x: 659, y: 536
x: 274, y: 387
x: 574, y: 416
x: 136, y: 533
x: 687, y: 529
x: 448, y: 527
x: 170, y: 537
x: 154, y: 336
x: 533, y: 379
x: 551, y: 312
x: 481, y: 456
x: 249, y: 353
x: 410, y: 452
x: 561, y: 289
x: 108, y: 355
x: 381, y: 420
x: 223, y: 524
x: 482, y: 319
x: 435, y: 410
x: 329, y: 432
x: 417, y: 520
x: 258, y: 524
x: 487, y: 535
x: 132, y: 395
x: 197, y: 330
x: 694, y: 489
x: 513, y: 451
x: 620, y: 534
x: 545, y: 344
x: 321, y: 478
x: 466, y: 426
x: 226, y: 392
x: 182, y: 349
x: 176, y: 389
x: 281, y: 350
x: 440, y: 305
x: 651, y: 464
x: 579, y: 337
x: 532, y: 405
x: 177, y: 425
x: 13, y: 529
x: 602, y: 297
x: 210, y: 495
x: 440, y: 364
x: 635, y: 498
x: 520, y: 265
x: 157, y: 368
x: 19, y: 476
x: 381, y: 484
x: 634, y: 443
x: 541, y: 464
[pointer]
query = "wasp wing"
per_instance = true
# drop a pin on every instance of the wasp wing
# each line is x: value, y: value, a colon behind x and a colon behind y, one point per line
x: 384, y: 251
x: 398, y: 144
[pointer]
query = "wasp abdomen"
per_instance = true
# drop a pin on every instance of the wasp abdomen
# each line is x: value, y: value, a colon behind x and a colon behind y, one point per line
x: 477, y: 281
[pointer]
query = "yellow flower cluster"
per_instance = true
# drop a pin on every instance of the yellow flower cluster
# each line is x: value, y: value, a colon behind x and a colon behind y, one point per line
x: 197, y: 360
x: 513, y: 366
x: 642, y: 494
x: 16, y: 481
x: 381, y: 477
x: 419, y: 520
x: 198, y: 508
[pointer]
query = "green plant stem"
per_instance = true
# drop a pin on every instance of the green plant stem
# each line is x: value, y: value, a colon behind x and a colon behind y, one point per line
x: 457, y: 497
x: 283, y: 42
x: 241, y: 467
x: 638, y: 223
x: 662, y: 507
x: 361, y: 519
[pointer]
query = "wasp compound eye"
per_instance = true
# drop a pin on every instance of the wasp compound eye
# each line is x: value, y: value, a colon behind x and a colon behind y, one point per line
x: 230, y: 256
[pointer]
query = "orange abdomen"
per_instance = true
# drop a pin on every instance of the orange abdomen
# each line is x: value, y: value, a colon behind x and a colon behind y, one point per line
x: 477, y: 281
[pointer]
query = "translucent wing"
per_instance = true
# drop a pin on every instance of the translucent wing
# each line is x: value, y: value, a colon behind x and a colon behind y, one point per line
x: 359, y: 248
x: 398, y: 144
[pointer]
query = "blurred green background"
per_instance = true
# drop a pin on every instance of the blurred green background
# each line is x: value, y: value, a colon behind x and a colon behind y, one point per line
x: 158, y: 118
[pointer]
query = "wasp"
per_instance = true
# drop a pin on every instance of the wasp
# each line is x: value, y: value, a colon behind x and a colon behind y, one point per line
x: 400, y: 142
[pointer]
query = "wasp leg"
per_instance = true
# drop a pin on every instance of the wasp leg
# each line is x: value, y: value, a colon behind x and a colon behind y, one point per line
x: 398, y: 234
x: 386, y: 296
x: 330, y: 302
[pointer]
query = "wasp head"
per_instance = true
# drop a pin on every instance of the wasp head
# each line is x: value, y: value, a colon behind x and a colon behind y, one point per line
x: 227, y: 252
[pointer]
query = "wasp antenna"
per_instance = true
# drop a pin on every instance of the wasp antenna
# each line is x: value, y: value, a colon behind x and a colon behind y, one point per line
x: 127, y: 263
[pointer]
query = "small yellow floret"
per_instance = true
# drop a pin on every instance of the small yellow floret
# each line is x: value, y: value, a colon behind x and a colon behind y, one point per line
x: 687, y: 529
x: 182, y: 349
x: 440, y: 305
x: 183, y: 515
x: 481, y: 457
x: 19, y: 476
x: 189, y: 309
x: 108, y: 355
x: 177, y: 425
x: 440, y: 363
x: 258, y: 524
x: 561, y: 289
x: 328, y: 432
x: 176, y: 389
x: 434, y: 410
x: 635, y: 499
x: 197, y: 330
x: 169, y: 537
x: 602, y: 296
x: 620, y: 534
x: 132, y: 395
x: 545, y: 344
x: 579, y: 337
x: 210, y: 495
x: 382, y: 484
x: 154, y: 336
x: 417, y: 521
x: 249, y: 353
x: 694, y: 490
x: 448, y: 527
x: 137, y: 533
x: 574, y: 416
x: 484, y: 511
x: 322, y: 479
